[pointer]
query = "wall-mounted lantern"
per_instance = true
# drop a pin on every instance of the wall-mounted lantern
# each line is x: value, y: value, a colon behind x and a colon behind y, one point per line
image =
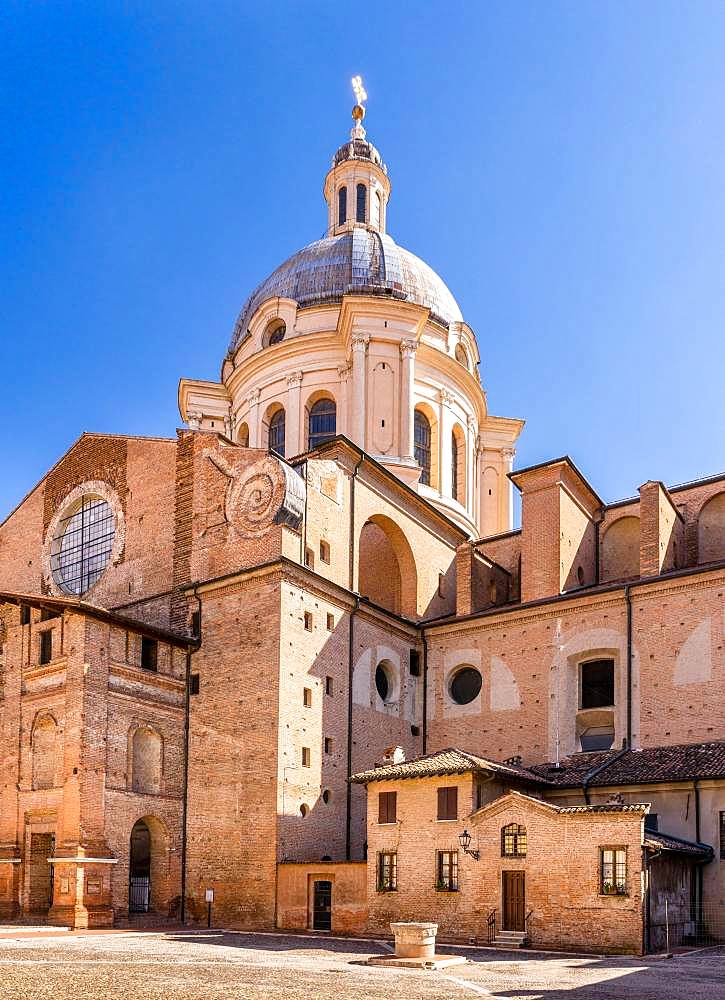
x: 465, y: 842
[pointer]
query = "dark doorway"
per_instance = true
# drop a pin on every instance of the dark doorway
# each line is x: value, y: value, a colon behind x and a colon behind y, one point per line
x: 514, y: 901
x: 139, y: 878
x: 322, y: 906
x: 42, y: 847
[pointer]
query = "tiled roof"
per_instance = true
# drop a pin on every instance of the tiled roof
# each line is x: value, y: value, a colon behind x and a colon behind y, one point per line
x: 61, y: 604
x: 608, y: 807
x: 682, y: 762
x: 667, y: 842
x: 449, y: 761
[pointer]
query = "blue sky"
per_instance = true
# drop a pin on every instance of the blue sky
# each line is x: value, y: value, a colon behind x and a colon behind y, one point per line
x: 562, y: 165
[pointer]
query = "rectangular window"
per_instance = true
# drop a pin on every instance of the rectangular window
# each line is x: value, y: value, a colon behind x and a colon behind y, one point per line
x: 387, y: 805
x: 597, y: 684
x: 149, y: 653
x: 722, y: 835
x: 447, y: 871
x: 45, y: 615
x: 306, y: 757
x: 46, y: 646
x: 309, y: 559
x: 651, y: 821
x: 448, y: 803
x: 329, y: 685
x: 308, y: 621
x: 307, y: 697
x: 194, y: 684
x: 613, y: 871
x: 387, y: 871
x: 328, y: 744
x: 415, y: 730
x: 330, y: 622
x: 196, y: 624
x: 414, y: 663
x: 25, y: 614
x: 324, y: 551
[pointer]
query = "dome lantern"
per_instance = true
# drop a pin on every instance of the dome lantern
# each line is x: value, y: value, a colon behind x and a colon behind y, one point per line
x: 357, y: 187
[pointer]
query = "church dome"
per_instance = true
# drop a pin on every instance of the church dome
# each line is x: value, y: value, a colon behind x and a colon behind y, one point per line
x: 362, y: 261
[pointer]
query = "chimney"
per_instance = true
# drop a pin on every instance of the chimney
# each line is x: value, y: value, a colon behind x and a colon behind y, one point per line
x: 393, y: 755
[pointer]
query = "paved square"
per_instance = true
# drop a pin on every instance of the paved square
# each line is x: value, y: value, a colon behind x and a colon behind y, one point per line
x: 215, y: 965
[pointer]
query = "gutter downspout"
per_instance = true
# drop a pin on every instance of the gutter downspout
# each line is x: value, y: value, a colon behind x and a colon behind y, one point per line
x: 185, y: 789
x: 348, y: 792
x: 350, y: 660
x: 700, y: 867
x: 425, y: 690
x: 303, y: 536
x: 628, y: 599
x: 590, y: 775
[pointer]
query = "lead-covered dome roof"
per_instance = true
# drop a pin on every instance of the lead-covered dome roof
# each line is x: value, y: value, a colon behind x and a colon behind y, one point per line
x: 361, y: 262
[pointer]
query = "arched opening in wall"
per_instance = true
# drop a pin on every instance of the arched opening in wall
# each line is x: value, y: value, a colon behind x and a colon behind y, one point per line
x: 342, y: 206
x: 711, y: 530
x: 148, y: 877
x: 45, y: 751
x: 274, y: 426
x: 461, y: 355
x: 458, y: 465
x: 243, y: 435
x: 274, y: 333
x: 376, y: 209
x: 146, y: 761
x: 321, y: 421
x: 425, y: 444
x: 362, y: 203
x: 619, y: 556
x: 387, y: 573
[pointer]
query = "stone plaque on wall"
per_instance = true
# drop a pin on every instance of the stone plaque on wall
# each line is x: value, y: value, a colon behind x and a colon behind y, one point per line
x: 64, y: 888
x: 93, y: 886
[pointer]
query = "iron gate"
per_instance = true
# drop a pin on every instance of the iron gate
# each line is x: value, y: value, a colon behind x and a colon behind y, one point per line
x: 139, y: 894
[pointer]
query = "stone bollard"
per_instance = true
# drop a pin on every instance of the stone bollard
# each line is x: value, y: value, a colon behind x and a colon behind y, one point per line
x: 414, y: 940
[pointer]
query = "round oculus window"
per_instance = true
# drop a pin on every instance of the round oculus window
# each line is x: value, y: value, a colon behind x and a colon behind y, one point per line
x: 465, y: 685
x: 382, y: 683
x: 82, y: 544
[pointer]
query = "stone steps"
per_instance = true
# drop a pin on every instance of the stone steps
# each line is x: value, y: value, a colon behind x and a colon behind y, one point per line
x: 510, y: 939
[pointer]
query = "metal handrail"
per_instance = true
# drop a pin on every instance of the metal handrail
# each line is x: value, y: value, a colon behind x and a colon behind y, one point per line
x: 527, y: 924
x: 491, y: 925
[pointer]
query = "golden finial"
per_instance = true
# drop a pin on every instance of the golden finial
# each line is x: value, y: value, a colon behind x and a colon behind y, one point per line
x: 358, y: 112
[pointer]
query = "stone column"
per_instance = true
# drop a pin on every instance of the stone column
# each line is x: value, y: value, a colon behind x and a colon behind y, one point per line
x: 445, y: 430
x: 255, y: 437
x: 359, y: 384
x: 471, y: 468
x: 344, y: 417
x: 294, y: 433
x: 407, y: 399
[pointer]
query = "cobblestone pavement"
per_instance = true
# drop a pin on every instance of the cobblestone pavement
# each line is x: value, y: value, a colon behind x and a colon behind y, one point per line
x: 213, y: 965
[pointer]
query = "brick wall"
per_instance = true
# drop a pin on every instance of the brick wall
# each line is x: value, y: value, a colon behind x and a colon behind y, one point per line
x: 561, y: 868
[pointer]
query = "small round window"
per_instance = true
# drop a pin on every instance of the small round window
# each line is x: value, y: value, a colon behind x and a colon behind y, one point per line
x: 465, y: 685
x: 82, y: 545
x: 382, y: 682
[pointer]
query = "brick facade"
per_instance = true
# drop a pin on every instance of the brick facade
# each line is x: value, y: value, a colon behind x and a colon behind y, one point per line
x: 298, y: 615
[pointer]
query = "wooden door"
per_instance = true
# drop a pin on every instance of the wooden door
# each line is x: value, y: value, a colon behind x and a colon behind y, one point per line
x: 322, y: 906
x: 514, y: 901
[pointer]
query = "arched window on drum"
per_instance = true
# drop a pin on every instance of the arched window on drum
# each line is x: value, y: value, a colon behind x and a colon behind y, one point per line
x: 322, y: 422
x: 422, y: 445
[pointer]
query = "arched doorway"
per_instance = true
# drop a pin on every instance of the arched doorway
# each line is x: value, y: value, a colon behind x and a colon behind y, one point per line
x: 139, y: 872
